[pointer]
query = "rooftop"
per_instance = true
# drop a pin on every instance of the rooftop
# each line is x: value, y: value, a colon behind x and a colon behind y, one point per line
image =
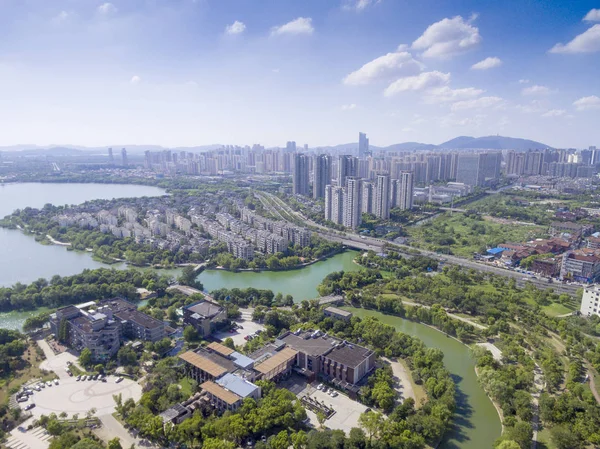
x: 237, y: 385
x: 221, y: 349
x: 205, y: 308
x: 304, y: 342
x: 220, y: 392
x: 213, y: 364
x: 139, y: 318
x: 279, y: 358
x: 340, y: 312
x: 349, y: 354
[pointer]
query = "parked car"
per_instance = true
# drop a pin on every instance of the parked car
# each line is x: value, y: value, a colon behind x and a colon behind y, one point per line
x: 42, y: 384
x: 103, y: 379
x: 37, y: 388
x: 23, y: 398
x: 48, y: 384
x: 55, y: 381
x: 119, y: 379
x: 320, y: 387
x: 29, y: 406
x: 78, y: 378
x: 22, y: 429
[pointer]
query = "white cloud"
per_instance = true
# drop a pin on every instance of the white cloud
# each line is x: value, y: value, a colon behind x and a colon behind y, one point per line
x: 107, y: 9
x: 422, y: 81
x: 586, y: 42
x: 584, y: 103
x: 447, y: 38
x: 348, y: 107
x: 478, y: 103
x: 135, y: 79
x: 445, y: 95
x: 487, y: 63
x: 62, y: 16
x: 358, y: 5
x: 533, y: 107
x: 407, y: 129
x: 523, y: 81
x: 384, y: 67
x: 451, y: 120
x: 592, y: 16
x: 236, y: 27
x: 554, y: 113
x: 535, y: 90
x: 301, y: 25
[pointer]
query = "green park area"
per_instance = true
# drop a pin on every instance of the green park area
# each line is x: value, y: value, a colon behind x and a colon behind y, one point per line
x: 464, y: 234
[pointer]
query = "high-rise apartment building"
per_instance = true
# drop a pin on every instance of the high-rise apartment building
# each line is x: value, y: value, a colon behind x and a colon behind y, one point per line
x: 366, y: 197
x: 291, y: 146
x: 404, y: 192
x: 124, y: 157
x: 334, y: 204
x: 352, y: 210
x: 363, y: 146
x: 301, y: 174
x: 321, y: 174
x: 477, y: 169
x: 381, y: 208
x: 347, y: 166
x: 111, y: 158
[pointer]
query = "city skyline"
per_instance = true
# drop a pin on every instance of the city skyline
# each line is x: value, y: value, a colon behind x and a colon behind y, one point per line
x: 191, y: 72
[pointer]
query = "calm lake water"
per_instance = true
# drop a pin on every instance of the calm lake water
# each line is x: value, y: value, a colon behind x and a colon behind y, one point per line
x: 476, y: 424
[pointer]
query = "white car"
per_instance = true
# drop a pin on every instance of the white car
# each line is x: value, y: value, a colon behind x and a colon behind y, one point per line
x: 119, y: 379
x: 55, y: 381
x: 333, y: 394
x: 320, y: 387
x: 48, y: 384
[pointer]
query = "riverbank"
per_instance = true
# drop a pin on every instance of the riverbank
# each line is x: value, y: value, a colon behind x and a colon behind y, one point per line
x: 476, y: 423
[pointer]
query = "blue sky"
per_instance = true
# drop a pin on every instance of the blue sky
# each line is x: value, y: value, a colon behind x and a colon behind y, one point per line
x: 193, y: 72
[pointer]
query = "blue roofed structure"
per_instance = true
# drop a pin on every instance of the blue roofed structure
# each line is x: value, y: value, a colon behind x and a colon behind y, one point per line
x: 241, y: 361
x: 239, y: 386
x: 495, y: 251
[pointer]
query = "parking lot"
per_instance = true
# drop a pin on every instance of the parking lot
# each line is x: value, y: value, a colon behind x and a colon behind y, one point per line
x: 347, y: 411
x: 77, y: 397
x: 248, y: 327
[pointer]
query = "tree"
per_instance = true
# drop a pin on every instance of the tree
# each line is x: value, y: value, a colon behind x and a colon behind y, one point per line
x: 321, y: 418
x: 357, y: 439
x: 371, y: 422
x: 85, y: 358
x: 280, y: 441
x: 190, y: 334
x: 508, y: 444
x: 564, y: 438
x: 188, y: 277
x: 229, y: 343
x: 214, y: 443
x: 299, y: 440
x: 115, y: 443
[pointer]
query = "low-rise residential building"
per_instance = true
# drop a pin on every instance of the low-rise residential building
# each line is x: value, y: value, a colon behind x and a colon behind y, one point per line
x: 134, y: 324
x: 334, y: 312
x: 204, y: 316
x: 582, y: 265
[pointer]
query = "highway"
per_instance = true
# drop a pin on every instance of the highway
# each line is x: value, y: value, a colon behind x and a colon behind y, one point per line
x: 366, y: 243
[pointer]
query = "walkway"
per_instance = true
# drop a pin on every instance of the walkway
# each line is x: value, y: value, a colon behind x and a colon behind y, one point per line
x: 404, y: 386
x: 451, y: 315
x: 37, y: 438
x: 590, y: 373
x: 112, y: 428
x: 539, y: 384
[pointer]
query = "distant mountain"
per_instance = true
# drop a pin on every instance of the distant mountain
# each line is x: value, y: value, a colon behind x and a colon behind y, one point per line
x: 492, y: 143
x: 458, y: 143
x: 409, y: 146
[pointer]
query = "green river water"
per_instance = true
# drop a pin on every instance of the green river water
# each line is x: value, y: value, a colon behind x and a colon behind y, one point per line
x: 476, y: 424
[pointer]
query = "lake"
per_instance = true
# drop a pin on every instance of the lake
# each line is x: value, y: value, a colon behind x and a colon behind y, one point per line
x: 476, y: 423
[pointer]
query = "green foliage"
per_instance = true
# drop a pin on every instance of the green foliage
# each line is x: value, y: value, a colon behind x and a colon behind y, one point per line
x: 36, y: 321
x: 85, y: 358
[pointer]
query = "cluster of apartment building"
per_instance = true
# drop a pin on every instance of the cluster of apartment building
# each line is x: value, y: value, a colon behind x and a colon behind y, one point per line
x: 252, y: 231
x: 226, y: 377
x: 554, y: 163
x: 164, y: 230
x: 102, y: 327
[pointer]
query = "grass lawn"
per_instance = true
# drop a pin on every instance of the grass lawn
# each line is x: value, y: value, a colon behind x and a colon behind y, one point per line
x: 464, y: 235
x: 556, y: 309
x: 31, y: 370
x: 186, y: 387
